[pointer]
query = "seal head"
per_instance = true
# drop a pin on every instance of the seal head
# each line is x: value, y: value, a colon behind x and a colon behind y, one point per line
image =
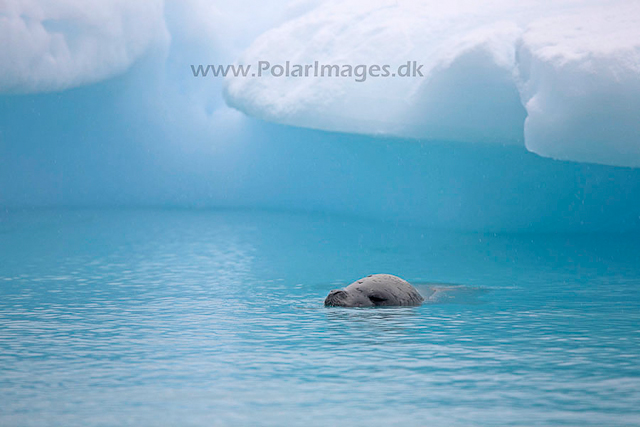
x: 375, y: 291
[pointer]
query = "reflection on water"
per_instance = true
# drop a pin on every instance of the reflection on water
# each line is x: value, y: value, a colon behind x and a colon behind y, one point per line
x: 216, y: 318
x: 447, y: 293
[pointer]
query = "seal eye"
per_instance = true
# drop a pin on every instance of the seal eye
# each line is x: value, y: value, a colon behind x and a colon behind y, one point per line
x: 377, y: 299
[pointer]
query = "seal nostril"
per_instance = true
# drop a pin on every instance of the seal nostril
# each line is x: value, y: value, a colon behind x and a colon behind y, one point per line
x: 335, y: 297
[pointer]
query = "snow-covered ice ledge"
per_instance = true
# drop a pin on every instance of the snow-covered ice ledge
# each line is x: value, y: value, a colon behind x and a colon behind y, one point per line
x: 562, y: 78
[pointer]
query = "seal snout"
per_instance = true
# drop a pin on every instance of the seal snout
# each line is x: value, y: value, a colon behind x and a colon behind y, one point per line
x: 335, y: 298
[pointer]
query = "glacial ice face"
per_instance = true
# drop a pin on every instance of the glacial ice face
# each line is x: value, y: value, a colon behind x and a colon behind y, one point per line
x: 156, y: 136
x: 562, y: 77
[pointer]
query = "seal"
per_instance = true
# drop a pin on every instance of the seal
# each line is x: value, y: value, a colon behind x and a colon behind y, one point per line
x: 377, y: 290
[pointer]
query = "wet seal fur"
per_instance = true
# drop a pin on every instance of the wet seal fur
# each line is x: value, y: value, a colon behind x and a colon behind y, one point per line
x: 377, y: 290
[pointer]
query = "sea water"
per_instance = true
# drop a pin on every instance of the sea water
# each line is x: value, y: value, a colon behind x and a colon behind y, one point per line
x: 212, y: 317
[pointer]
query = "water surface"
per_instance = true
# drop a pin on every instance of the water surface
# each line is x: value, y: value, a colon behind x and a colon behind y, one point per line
x: 203, y: 317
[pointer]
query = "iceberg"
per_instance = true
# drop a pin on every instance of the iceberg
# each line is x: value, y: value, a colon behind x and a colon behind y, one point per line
x: 99, y: 107
x: 563, y: 79
x: 52, y: 46
x: 580, y: 83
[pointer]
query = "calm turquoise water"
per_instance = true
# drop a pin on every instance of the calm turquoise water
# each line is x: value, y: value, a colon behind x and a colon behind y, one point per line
x: 201, y: 318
